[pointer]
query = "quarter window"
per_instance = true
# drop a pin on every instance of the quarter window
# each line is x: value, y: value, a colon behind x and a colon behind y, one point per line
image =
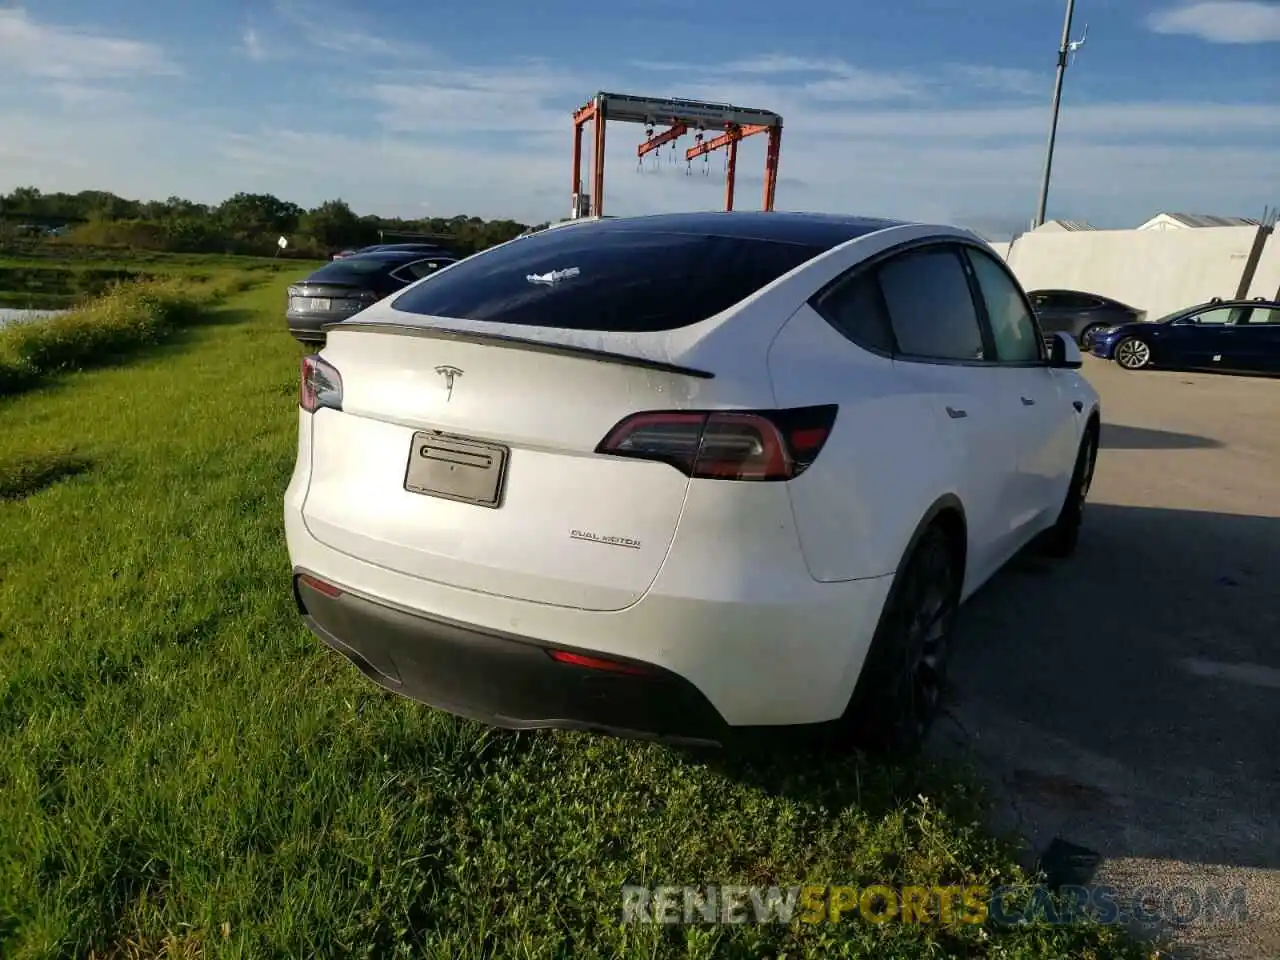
x: 1013, y: 328
x: 856, y: 309
x: 930, y: 305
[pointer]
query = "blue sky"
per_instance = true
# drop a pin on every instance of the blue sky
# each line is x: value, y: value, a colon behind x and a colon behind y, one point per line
x: 928, y: 109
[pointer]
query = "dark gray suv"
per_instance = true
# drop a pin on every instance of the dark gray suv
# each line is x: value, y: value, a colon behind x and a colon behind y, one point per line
x: 1079, y: 314
x: 342, y: 288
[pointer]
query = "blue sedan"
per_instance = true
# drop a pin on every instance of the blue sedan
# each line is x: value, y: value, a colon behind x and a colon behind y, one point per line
x: 1240, y: 336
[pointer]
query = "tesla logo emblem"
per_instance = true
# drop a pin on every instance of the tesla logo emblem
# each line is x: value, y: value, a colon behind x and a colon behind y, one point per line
x: 449, y: 374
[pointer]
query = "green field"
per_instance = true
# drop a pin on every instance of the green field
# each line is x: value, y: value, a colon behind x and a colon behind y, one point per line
x: 55, y: 277
x: 185, y: 772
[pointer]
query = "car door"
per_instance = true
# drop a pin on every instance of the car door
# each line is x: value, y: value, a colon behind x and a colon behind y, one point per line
x: 941, y: 354
x: 1045, y: 424
x: 1067, y: 312
x: 1052, y: 311
x: 1201, y: 339
x: 1079, y: 311
x: 1257, y: 340
x: 1236, y: 342
x: 1271, y: 344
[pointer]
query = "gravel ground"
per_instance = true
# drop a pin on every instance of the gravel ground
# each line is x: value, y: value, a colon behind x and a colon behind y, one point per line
x: 1127, y: 700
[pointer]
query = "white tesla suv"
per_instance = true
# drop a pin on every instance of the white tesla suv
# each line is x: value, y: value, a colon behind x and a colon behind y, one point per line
x: 678, y: 475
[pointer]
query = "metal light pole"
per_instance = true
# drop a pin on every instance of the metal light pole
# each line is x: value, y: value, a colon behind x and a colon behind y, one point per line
x: 1067, y: 48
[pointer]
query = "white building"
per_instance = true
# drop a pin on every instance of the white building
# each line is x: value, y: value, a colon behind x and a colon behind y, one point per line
x: 1060, y: 226
x: 1183, y: 221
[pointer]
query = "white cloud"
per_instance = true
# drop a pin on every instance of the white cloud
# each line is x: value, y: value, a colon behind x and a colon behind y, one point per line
x: 1003, y: 79
x: 74, y: 53
x: 253, y: 46
x: 1110, y: 122
x: 76, y: 96
x: 852, y: 85
x: 835, y: 81
x: 532, y: 98
x: 780, y: 63
x: 1221, y: 21
x: 955, y: 141
x: 877, y: 166
x: 769, y: 63
x: 824, y: 79
x: 339, y: 30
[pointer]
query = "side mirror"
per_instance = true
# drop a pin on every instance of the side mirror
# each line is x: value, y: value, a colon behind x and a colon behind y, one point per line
x: 1064, y: 353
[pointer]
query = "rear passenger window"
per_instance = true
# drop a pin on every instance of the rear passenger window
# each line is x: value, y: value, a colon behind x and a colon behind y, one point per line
x: 1074, y: 301
x: 1013, y: 328
x: 930, y: 306
x: 855, y: 308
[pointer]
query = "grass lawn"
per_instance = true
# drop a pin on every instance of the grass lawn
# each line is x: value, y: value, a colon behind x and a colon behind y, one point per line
x: 185, y: 772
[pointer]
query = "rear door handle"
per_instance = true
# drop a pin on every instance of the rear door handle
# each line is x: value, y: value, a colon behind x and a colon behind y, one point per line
x: 955, y: 414
x: 1028, y: 402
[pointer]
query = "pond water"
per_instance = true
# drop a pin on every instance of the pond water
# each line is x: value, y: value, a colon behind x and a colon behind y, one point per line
x: 8, y: 315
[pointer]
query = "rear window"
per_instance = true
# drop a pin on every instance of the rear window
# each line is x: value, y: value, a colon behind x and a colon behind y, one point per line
x: 353, y: 267
x: 619, y: 281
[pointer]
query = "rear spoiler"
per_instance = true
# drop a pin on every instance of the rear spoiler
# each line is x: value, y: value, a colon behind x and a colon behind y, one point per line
x: 518, y: 343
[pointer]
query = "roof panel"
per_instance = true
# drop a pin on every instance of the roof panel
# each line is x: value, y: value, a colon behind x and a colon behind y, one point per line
x: 813, y: 229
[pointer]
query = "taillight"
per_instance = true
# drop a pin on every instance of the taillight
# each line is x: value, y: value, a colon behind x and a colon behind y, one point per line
x: 321, y: 385
x: 764, y: 445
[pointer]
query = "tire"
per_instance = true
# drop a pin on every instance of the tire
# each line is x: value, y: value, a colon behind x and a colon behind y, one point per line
x: 899, y: 691
x: 1061, y: 539
x: 1087, y: 334
x: 1133, y: 354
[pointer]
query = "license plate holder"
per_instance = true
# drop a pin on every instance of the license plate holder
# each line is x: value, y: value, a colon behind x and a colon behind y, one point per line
x: 457, y: 468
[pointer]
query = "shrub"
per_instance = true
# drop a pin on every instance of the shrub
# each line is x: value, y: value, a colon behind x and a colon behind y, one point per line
x: 125, y: 317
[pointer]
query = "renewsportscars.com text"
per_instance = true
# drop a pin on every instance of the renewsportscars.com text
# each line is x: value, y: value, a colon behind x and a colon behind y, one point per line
x: 945, y: 905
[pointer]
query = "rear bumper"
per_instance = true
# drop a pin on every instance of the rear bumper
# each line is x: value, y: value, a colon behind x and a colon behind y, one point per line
x: 306, y: 327
x: 502, y: 680
x: 310, y: 326
x: 753, y: 633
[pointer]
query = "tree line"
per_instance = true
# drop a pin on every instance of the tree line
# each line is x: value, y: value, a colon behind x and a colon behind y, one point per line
x: 247, y: 223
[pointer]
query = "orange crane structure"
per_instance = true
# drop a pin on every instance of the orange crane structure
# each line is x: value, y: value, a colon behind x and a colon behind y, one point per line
x: 680, y: 117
